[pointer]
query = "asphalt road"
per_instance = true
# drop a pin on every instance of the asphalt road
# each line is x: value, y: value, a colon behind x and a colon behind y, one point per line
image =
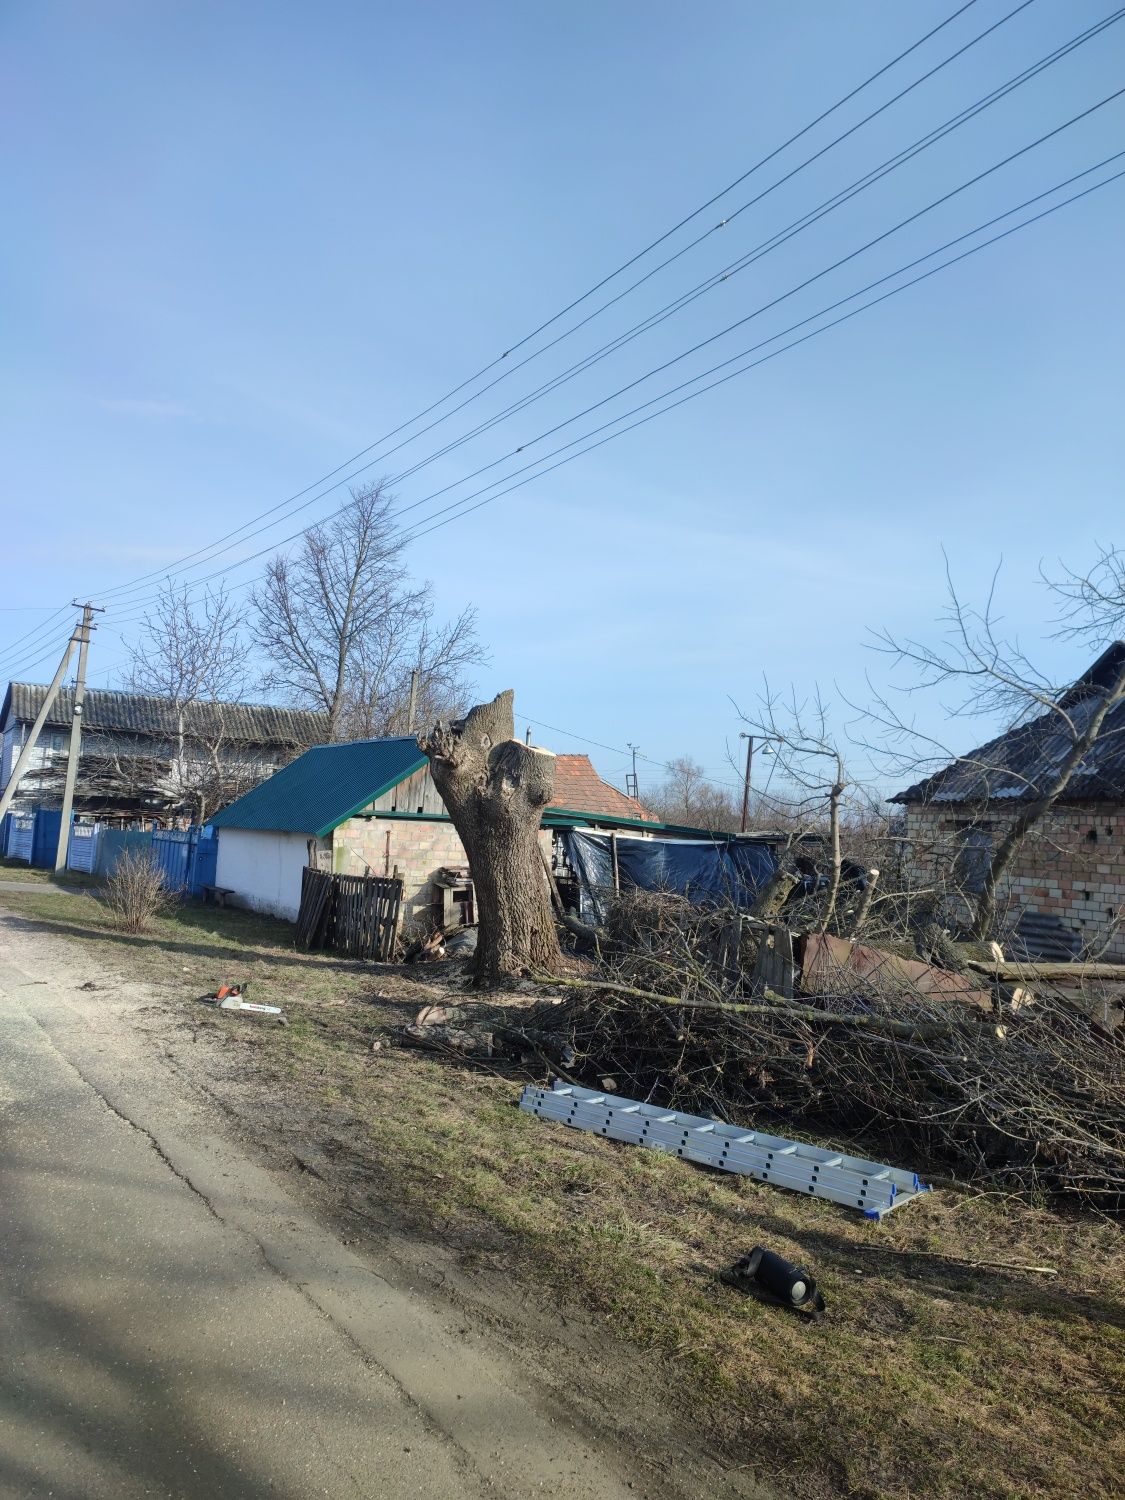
x: 172, y: 1324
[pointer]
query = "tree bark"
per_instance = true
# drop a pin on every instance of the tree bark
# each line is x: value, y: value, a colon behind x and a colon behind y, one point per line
x: 495, y: 789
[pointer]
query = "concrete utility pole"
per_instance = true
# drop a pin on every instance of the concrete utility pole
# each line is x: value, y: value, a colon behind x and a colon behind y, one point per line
x: 413, y: 712
x: 631, y: 787
x: 749, y: 738
x: 75, y: 737
x: 40, y: 719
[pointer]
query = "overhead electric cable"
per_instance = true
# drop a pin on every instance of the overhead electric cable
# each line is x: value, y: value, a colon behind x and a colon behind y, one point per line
x: 704, y: 343
x: 158, y: 573
x: 461, y: 508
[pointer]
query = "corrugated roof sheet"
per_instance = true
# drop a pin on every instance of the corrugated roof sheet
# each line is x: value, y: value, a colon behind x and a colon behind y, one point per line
x: 579, y: 788
x: 137, y: 713
x: 323, y: 787
x: 1021, y: 763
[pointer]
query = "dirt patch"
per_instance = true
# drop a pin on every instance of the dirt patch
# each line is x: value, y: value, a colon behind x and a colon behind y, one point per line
x: 932, y: 1373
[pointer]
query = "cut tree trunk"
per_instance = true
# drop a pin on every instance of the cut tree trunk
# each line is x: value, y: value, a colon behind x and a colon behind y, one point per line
x: 495, y: 789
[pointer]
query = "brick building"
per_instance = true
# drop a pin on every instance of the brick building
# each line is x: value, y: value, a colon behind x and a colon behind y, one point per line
x: 1066, y: 883
x: 371, y: 807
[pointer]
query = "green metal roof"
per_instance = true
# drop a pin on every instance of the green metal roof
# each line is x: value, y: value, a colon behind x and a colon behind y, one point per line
x: 324, y: 787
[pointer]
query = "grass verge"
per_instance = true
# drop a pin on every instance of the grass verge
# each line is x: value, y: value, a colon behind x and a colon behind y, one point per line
x: 933, y: 1373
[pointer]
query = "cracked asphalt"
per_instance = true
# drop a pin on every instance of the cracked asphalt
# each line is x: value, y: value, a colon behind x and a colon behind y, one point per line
x: 173, y: 1324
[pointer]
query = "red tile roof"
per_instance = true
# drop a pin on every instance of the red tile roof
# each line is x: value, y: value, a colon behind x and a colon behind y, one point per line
x: 579, y: 788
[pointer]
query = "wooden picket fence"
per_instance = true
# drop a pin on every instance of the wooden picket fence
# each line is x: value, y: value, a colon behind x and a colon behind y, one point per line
x: 356, y: 915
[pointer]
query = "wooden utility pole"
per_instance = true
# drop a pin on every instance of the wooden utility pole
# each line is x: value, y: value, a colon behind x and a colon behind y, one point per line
x: 75, y: 737
x: 40, y: 719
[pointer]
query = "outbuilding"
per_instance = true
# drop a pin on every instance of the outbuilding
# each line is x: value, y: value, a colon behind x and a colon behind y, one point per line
x: 370, y: 807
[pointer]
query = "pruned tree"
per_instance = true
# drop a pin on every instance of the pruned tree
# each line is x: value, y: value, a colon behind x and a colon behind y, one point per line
x: 495, y: 789
x: 342, y: 626
x: 189, y: 654
x: 981, y: 672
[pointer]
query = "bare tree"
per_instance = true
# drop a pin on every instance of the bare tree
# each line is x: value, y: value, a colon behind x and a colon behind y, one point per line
x: 686, y: 796
x: 495, y: 789
x: 342, y: 626
x: 986, y: 673
x: 811, y: 761
x: 189, y: 654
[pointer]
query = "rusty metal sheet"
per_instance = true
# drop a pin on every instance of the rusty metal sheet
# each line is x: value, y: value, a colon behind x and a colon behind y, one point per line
x: 830, y: 964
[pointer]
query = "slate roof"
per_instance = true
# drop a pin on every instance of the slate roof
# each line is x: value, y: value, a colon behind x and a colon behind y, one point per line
x: 324, y: 787
x: 1019, y: 764
x: 579, y: 788
x: 137, y: 713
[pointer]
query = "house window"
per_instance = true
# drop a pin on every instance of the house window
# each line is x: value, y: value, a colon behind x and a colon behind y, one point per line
x: 974, y: 859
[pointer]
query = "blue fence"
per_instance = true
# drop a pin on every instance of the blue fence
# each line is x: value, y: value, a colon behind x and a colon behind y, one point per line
x: 112, y: 844
x: 188, y: 857
x: 45, y: 841
x: 21, y: 836
x: 82, y: 853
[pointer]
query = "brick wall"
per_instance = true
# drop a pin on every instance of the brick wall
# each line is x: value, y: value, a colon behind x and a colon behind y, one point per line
x: 418, y: 847
x: 1072, y: 866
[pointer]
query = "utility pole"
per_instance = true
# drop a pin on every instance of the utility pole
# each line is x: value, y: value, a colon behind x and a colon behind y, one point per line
x: 75, y: 750
x: 749, y: 738
x: 36, y: 729
x: 631, y: 789
x: 413, y: 715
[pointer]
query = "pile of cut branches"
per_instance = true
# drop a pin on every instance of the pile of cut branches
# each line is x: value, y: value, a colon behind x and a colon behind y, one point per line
x: 1034, y: 1100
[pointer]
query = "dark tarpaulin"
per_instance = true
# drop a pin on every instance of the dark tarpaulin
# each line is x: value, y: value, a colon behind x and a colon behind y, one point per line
x: 723, y: 870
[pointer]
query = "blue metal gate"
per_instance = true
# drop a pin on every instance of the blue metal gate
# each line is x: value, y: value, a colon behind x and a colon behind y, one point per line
x: 21, y: 836
x: 83, y: 851
x: 45, y: 839
x: 172, y: 850
x: 187, y: 857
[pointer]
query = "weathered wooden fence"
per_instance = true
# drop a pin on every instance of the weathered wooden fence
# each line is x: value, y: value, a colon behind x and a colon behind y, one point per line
x: 352, y: 914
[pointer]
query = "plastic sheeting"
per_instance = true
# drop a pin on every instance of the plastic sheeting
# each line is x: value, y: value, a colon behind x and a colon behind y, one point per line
x: 703, y: 870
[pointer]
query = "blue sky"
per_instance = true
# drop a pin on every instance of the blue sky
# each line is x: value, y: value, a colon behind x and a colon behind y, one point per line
x: 244, y: 241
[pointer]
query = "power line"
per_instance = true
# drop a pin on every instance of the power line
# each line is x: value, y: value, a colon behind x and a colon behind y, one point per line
x: 617, y: 750
x: 699, y: 345
x: 632, y: 261
x: 704, y: 343
x: 461, y: 508
x: 413, y: 536
x: 614, y: 749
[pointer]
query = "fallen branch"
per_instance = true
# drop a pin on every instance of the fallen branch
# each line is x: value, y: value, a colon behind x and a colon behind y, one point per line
x: 1003, y: 1265
x: 1013, y: 970
x: 781, y: 1008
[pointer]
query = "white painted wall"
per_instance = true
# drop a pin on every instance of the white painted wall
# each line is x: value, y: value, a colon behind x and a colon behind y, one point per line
x: 263, y: 869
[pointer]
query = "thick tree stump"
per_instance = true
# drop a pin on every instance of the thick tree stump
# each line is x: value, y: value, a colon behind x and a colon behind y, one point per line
x: 495, y: 789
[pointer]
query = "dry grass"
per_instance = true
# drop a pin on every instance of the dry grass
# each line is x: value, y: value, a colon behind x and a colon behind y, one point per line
x: 928, y: 1377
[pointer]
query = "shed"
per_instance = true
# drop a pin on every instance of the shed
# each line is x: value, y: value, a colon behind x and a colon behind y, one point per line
x: 371, y: 807
x: 288, y: 821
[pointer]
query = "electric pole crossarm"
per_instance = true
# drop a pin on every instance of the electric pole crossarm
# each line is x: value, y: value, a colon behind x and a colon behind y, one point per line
x: 36, y: 729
